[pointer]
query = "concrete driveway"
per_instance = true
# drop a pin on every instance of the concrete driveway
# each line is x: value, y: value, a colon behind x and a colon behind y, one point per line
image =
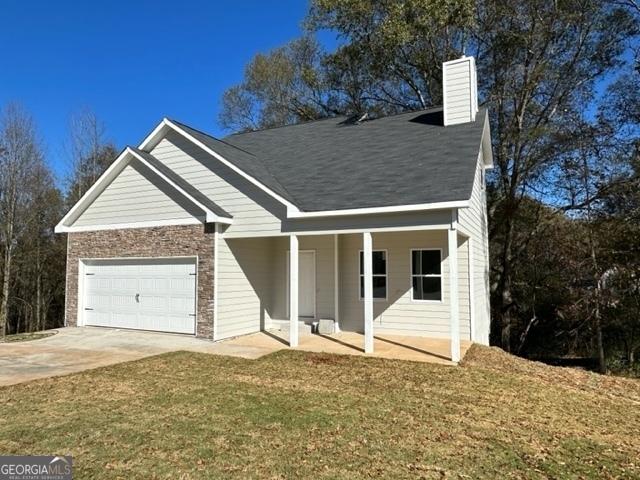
x: 75, y: 349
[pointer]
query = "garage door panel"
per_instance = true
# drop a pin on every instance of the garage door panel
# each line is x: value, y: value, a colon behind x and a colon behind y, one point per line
x: 150, y: 294
x: 158, y: 303
x: 121, y: 319
x: 182, y: 284
x: 173, y: 323
x: 94, y: 317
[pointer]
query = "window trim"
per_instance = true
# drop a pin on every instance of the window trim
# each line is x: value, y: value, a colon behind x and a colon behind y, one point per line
x: 441, y: 276
x: 386, y: 275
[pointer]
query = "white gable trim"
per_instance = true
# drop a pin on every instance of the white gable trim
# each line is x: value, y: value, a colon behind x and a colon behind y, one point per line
x: 94, y: 191
x: 107, y: 177
x: 152, y: 138
x: 124, y: 226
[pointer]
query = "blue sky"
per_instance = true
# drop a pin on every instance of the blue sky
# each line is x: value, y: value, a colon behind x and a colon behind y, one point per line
x: 132, y: 62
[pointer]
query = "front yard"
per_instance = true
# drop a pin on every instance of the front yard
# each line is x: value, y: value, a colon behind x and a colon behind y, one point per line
x: 295, y: 414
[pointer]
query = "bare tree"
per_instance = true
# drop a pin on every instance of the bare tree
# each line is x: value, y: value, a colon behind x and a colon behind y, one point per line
x: 89, y: 151
x: 20, y: 155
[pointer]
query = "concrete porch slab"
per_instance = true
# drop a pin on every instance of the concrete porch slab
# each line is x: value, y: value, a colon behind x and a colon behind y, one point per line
x: 398, y: 347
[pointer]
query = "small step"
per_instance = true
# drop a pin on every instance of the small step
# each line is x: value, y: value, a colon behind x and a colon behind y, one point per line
x: 303, y: 327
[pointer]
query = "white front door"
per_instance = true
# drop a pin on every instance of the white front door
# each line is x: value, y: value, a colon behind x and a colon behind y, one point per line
x: 149, y: 294
x: 307, y: 284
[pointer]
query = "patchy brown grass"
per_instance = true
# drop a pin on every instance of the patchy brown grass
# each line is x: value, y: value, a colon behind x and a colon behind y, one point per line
x: 497, y: 360
x: 25, y: 337
x: 302, y: 415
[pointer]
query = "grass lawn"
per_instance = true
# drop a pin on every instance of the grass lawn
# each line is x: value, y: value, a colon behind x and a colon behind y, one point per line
x: 25, y: 337
x: 295, y: 414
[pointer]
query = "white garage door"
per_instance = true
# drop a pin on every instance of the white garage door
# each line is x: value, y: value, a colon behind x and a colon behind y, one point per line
x: 154, y: 294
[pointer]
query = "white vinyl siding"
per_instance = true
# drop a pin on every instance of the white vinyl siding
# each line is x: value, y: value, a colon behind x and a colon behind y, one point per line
x: 132, y: 197
x: 244, y: 290
x: 221, y: 184
x: 252, y: 282
x: 474, y: 221
x: 463, y: 288
x: 459, y: 95
x: 399, y: 314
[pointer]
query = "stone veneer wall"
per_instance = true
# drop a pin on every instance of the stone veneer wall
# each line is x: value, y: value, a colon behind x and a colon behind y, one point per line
x: 172, y: 241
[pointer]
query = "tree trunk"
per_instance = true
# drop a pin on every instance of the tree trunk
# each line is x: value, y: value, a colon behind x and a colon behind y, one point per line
x: 4, y: 304
x: 596, y: 275
x: 38, y: 319
x: 506, y: 299
x: 39, y: 301
x: 602, y: 362
x: 597, y: 316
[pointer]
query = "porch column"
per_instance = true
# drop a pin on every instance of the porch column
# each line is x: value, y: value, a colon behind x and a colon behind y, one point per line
x: 336, y: 283
x: 293, y: 290
x: 452, y: 241
x: 368, y: 291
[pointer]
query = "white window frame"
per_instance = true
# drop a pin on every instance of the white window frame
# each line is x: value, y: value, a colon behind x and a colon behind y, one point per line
x: 431, y: 275
x: 386, y: 275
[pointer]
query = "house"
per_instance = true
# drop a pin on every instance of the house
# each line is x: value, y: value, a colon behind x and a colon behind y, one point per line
x: 379, y: 225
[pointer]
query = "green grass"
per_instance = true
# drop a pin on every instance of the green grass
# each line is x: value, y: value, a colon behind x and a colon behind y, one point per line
x: 302, y: 415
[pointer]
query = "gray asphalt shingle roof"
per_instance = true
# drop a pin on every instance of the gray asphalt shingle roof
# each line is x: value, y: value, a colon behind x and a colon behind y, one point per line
x: 334, y: 164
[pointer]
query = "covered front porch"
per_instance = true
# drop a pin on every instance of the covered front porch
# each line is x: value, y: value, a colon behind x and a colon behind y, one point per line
x: 395, y: 291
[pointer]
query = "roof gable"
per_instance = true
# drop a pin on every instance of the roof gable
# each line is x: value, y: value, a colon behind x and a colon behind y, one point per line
x: 192, y: 192
x: 172, y: 200
x: 243, y: 163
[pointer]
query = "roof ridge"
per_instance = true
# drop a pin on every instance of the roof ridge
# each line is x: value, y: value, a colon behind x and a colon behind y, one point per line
x: 214, y: 138
x: 317, y: 120
x: 275, y: 127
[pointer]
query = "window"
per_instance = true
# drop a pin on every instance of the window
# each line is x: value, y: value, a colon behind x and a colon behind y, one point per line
x: 426, y: 275
x: 379, y: 260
